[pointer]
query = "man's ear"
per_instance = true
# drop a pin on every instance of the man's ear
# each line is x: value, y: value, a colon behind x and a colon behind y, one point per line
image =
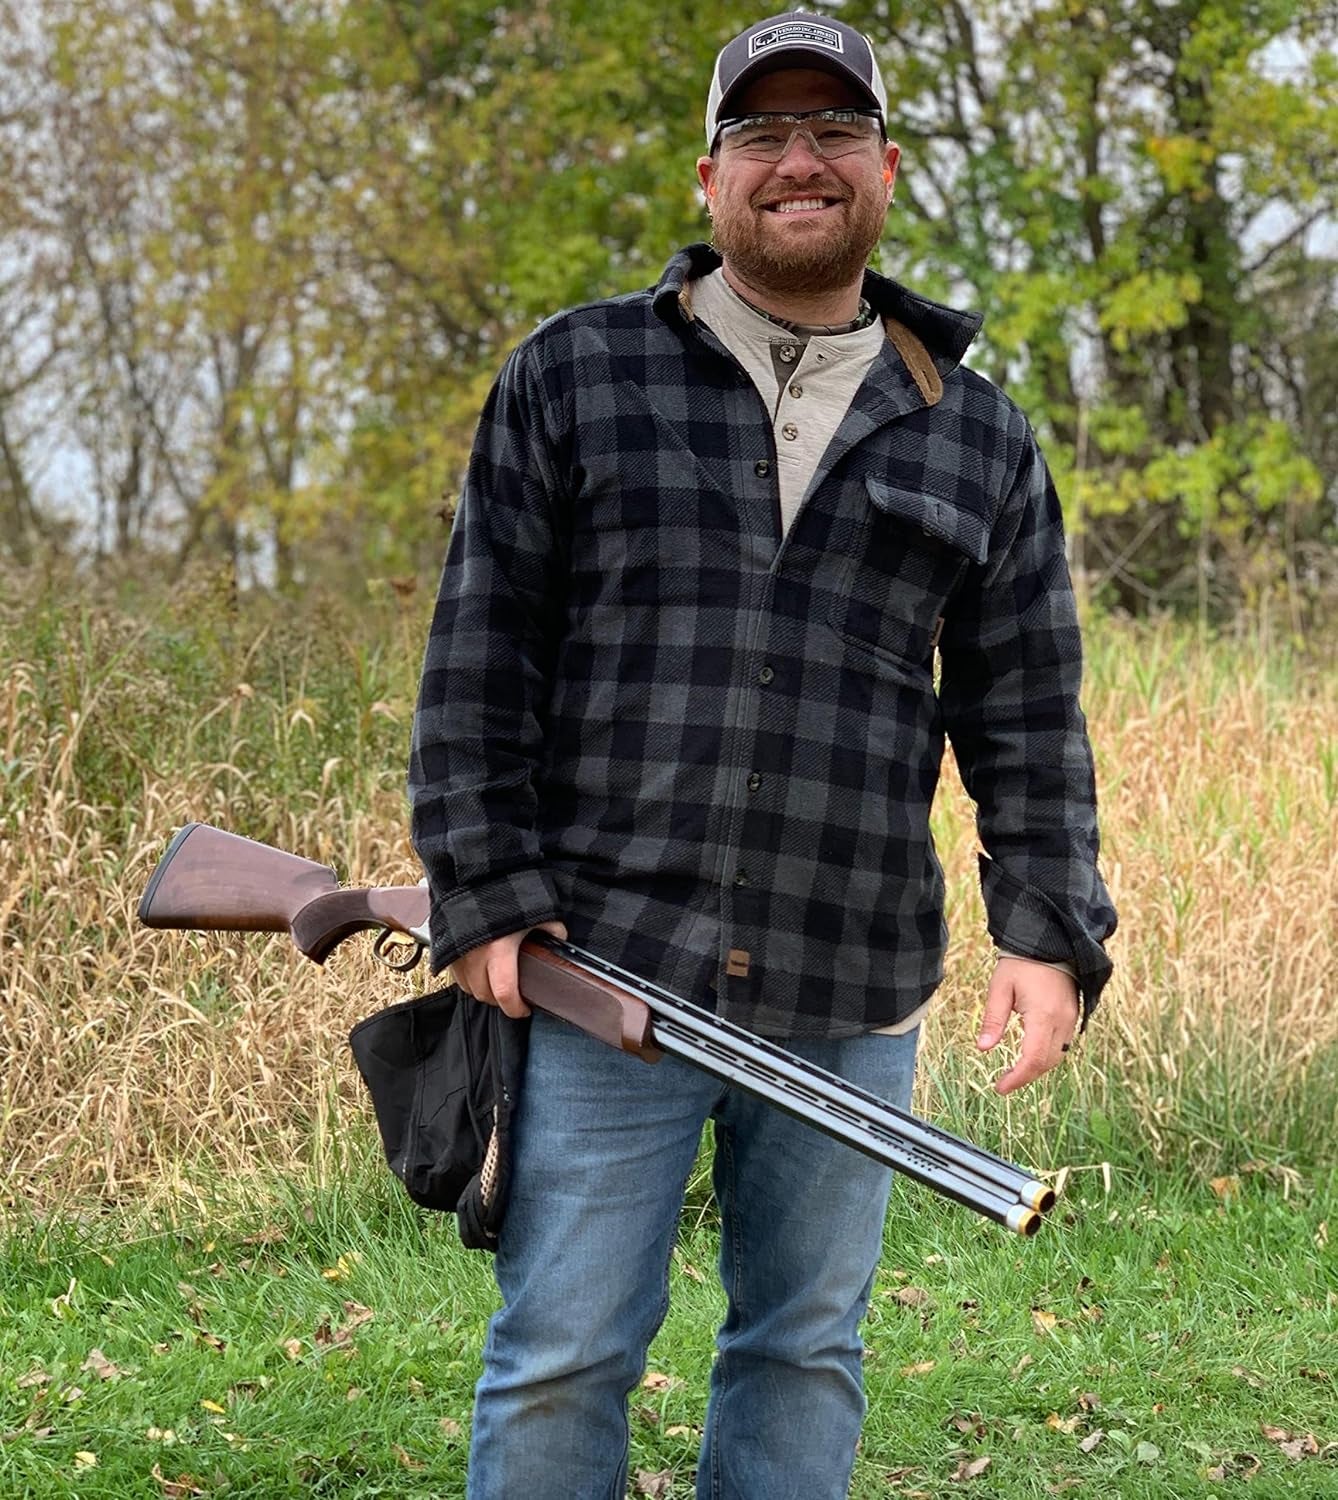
x: 891, y: 159
x: 706, y: 175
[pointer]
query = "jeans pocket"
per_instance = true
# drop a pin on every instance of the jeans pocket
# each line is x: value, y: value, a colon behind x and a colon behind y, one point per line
x: 911, y: 552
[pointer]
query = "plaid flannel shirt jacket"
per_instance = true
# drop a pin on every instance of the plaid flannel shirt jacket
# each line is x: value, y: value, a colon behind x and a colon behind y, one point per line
x: 711, y: 751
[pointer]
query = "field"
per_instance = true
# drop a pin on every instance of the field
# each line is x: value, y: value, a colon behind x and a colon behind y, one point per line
x: 189, y: 1181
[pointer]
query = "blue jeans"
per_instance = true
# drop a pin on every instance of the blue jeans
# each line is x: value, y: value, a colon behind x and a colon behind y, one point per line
x: 604, y: 1145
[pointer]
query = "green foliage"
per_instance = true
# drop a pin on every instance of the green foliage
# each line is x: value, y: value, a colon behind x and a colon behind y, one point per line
x: 298, y: 241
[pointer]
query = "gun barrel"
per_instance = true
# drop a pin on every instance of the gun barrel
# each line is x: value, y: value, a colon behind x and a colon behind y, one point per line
x: 960, y: 1170
x: 883, y: 1145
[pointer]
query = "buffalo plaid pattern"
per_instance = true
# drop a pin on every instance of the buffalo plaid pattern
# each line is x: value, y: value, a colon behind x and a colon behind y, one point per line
x: 711, y: 750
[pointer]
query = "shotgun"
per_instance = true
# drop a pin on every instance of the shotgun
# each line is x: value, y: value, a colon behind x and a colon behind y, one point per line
x: 213, y: 881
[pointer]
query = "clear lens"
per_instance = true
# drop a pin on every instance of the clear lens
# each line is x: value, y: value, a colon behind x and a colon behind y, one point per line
x: 828, y: 132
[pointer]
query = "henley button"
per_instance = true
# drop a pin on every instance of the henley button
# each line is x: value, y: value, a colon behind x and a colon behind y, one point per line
x: 761, y: 468
x: 787, y: 353
x: 754, y: 781
x: 741, y: 878
x: 789, y: 432
x: 765, y: 675
x: 796, y: 390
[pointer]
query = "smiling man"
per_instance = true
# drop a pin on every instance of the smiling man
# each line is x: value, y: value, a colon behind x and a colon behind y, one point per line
x: 679, y: 702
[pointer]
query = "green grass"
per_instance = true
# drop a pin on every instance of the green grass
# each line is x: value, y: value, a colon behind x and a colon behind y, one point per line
x: 1183, y: 1325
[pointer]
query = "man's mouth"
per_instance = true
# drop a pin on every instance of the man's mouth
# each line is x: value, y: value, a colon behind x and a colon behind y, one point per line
x: 801, y: 205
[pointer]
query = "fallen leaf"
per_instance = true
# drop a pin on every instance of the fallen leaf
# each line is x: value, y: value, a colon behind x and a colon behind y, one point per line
x: 213, y: 1406
x: 211, y: 1341
x: 1248, y: 1376
x: 1092, y: 1440
x: 923, y: 1368
x: 1043, y: 1322
x: 356, y: 1315
x: 175, y: 1489
x: 969, y: 1424
x: 1226, y: 1188
x: 1064, y: 1424
x: 688, y: 1270
x: 271, y: 1234
x: 163, y: 1435
x: 405, y: 1457
x: 1236, y: 1466
x: 933, y: 1260
x: 1089, y: 1401
x: 98, y: 1364
x: 450, y: 1427
x: 1021, y: 1365
x: 911, y: 1296
x: 655, y: 1381
x: 680, y: 1430
x: 292, y: 1348
x: 40, y: 1377
x: 655, y: 1486
x: 343, y: 1268
x: 86, y: 1460
x: 974, y: 1469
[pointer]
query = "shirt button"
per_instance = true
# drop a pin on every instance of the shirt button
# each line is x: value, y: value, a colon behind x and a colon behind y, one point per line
x: 787, y: 353
x: 754, y: 781
x: 761, y: 468
x: 796, y: 390
x: 741, y: 878
x: 789, y: 432
x: 765, y: 675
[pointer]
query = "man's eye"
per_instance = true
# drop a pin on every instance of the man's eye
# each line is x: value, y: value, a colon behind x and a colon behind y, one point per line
x: 836, y: 133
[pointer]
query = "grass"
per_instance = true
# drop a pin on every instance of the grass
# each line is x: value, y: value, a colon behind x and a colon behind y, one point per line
x: 184, y: 1148
x: 325, y: 1342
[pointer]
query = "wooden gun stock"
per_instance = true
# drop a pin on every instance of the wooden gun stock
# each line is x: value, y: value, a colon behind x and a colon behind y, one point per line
x: 212, y: 881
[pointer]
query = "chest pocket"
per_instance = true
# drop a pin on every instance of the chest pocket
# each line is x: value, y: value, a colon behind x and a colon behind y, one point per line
x: 909, y: 557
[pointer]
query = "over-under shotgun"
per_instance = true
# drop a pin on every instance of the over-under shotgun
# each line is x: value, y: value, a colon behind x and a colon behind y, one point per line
x: 213, y: 881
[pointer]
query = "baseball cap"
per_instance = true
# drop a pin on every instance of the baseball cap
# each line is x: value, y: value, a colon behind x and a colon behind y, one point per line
x: 795, y: 39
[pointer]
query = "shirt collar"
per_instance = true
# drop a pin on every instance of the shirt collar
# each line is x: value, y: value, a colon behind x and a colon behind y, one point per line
x: 946, y: 332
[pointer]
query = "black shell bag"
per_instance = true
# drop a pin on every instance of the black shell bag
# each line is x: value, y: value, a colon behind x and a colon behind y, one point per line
x: 444, y: 1073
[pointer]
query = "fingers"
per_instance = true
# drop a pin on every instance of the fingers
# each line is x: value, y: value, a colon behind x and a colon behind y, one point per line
x: 490, y: 972
x: 998, y: 1008
x: 1046, y: 1001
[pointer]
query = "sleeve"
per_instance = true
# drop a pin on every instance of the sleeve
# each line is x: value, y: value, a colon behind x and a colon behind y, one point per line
x: 1012, y: 669
x: 478, y: 729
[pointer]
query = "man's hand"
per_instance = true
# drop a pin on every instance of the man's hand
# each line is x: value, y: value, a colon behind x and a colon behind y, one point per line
x: 1047, y: 1001
x: 488, y: 972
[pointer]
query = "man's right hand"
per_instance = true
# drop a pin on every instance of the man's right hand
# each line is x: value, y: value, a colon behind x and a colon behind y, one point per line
x: 488, y: 972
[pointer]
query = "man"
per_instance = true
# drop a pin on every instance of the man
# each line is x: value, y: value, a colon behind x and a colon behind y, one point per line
x: 679, y: 702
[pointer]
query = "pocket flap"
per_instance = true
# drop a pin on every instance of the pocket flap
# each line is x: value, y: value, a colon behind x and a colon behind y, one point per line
x: 936, y: 517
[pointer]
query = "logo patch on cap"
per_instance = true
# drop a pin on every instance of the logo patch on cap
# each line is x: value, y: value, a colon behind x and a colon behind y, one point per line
x: 791, y: 32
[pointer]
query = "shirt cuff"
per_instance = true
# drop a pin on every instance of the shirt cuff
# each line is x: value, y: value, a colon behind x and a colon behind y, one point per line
x: 515, y: 902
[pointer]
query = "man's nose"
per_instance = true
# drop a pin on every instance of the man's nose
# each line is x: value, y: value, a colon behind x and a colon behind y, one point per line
x: 801, y: 157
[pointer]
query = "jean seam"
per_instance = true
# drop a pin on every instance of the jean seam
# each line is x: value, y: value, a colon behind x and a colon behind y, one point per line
x: 725, y: 1148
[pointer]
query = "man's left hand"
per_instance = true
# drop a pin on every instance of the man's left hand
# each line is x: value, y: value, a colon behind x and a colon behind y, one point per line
x: 1046, y: 999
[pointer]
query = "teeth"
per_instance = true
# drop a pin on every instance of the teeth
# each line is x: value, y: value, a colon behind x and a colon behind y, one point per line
x: 795, y: 205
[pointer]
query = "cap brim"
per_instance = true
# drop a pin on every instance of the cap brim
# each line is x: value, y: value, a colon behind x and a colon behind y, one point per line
x: 794, y: 58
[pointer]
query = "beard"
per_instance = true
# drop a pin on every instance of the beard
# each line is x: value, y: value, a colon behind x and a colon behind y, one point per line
x: 816, y: 258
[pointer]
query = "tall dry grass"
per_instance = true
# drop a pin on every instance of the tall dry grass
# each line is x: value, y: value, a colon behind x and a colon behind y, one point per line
x: 133, y: 1063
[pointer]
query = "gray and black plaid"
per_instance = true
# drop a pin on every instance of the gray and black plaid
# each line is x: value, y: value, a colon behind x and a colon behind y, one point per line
x: 712, y: 752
